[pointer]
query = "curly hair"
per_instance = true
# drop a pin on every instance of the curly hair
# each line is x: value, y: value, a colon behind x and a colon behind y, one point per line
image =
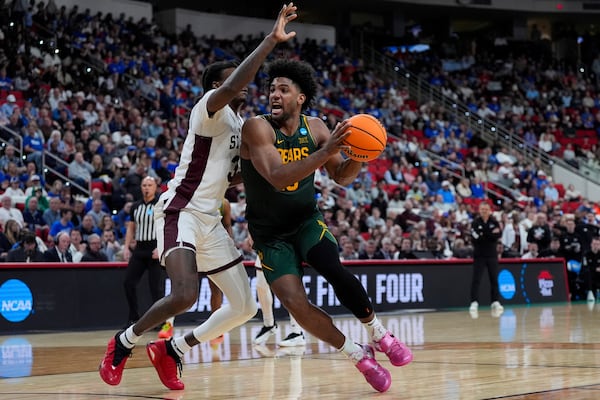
x: 299, y: 72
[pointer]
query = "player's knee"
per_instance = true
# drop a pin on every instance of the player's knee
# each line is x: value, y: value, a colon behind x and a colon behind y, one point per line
x: 183, y: 297
x: 250, y: 309
x: 295, y: 303
x: 182, y: 302
x: 243, y: 306
x: 324, y: 258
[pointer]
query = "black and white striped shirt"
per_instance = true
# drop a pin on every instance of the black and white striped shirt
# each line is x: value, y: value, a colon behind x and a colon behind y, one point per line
x: 143, y: 215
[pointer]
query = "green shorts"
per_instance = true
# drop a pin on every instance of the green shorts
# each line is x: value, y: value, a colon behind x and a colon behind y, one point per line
x: 283, y: 254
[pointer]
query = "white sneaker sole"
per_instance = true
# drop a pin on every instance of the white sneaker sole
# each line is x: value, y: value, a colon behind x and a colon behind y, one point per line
x: 298, y: 341
x: 264, y: 338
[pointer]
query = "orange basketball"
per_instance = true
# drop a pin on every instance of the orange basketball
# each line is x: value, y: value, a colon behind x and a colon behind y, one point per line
x: 367, y: 138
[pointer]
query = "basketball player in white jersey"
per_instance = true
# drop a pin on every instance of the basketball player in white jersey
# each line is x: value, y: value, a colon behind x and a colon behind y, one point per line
x: 190, y: 235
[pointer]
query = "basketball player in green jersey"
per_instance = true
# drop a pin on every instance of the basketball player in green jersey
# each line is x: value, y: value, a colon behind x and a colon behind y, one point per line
x: 279, y: 155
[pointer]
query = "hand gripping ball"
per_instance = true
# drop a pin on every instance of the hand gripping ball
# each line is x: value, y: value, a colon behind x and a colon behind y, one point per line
x: 367, y: 138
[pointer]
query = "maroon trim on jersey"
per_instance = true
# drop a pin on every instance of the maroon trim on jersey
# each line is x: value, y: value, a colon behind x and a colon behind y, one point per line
x: 226, y: 266
x: 171, y: 233
x: 193, y: 175
x: 186, y: 244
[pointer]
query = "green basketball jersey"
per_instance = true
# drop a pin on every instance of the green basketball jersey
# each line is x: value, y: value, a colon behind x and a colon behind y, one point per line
x: 270, y: 210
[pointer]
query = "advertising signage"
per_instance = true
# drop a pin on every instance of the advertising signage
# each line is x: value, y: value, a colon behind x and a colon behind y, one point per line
x: 91, y: 296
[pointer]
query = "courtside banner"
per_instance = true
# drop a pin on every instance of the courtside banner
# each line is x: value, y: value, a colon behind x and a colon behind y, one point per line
x: 433, y: 284
x: 445, y: 284
x: 91, y: 296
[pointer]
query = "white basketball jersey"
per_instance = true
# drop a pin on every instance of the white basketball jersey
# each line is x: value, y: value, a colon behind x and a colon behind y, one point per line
x: 209, y: 160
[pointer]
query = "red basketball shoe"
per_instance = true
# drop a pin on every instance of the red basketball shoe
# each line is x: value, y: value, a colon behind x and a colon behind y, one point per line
x: 111, y: 366
x: 167, y: 364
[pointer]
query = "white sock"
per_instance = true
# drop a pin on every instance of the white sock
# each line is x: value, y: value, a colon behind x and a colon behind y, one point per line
x: 294, y: 327
x: 353, y: 351
x: 268, y: 321
x: 265, y: 297
x: 375, y: 329
x: 171, y: 321
x: 129, y: 338
x: 180, y: 346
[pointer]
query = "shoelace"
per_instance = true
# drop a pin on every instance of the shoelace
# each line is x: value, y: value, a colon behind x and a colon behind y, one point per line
x: 357, y: 356
x: 173, y: 354
x: 179, y: 365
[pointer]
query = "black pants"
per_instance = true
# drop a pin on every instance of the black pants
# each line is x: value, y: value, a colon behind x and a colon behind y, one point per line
x: 141, y: 261
x: 480, y: 264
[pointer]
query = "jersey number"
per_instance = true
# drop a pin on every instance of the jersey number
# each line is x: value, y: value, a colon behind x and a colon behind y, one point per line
x: 235, y: 168
x: 234, y: 142
x: 292, y: 188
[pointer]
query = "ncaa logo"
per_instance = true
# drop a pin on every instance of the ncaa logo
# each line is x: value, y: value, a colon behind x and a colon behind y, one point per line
x: 16, y: 300
x: 506, y: 284
x: 16, y: 358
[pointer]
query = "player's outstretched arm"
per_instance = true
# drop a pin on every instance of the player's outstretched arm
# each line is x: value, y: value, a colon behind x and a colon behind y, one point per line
x: 257, y: 145
x: 246, y: 71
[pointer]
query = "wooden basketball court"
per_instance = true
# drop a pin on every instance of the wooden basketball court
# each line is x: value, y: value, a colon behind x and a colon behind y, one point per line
x: 534, y: 352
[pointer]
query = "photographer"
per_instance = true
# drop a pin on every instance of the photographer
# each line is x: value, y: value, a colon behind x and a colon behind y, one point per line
x: 27, y: 251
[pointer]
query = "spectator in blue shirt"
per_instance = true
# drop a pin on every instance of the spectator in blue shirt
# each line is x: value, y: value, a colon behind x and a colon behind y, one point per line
x: 121, y: 219
x: 540, y: 180
x: 477, y: 189
x: 431, y: 130
x: 56, y: 113
x: 9, y: 107
x: 64, y: 224
x: 117, y: 66
x: 53, y: 212
x: 446, y: 193
x: 33, y: 145
x: 156, y: 127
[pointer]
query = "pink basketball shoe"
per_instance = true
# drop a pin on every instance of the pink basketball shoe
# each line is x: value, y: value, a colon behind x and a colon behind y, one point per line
x: 396, y: 351
x: 377, y: 376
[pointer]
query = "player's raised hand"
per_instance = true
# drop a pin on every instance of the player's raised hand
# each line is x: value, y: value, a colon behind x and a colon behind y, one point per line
x: 287, y: 14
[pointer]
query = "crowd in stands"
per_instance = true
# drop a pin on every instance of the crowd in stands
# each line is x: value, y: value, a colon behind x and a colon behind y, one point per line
x: 104, y: 100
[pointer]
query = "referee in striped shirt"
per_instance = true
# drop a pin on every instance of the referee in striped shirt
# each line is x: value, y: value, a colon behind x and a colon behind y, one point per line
x: 143, y: 256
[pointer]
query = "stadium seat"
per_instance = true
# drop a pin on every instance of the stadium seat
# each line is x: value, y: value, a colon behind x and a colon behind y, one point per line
x: 569, y: 207
x: 104, y: 187
x: 17, y: 93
